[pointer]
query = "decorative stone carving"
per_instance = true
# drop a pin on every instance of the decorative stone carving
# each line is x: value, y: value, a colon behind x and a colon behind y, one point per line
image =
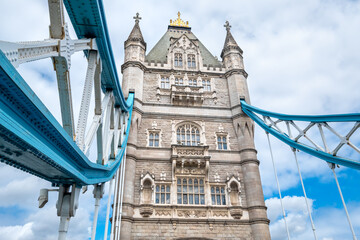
x: 146, y: 210
x: 220, y: 213
x: 190, y: 151
x: 163, y: 176
x: 236, y: 212
x: 217, y: 177
x: 162, y: 212
x: 188, y: 170
x: 191, y: 213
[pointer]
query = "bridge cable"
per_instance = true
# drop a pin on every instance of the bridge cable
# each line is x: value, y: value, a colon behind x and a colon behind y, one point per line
x: 332, y: 166
x: 303, y: 188
x: 108, y: 207
x: 119, y: 211
x: 115, y: 199
x: 278, y: 186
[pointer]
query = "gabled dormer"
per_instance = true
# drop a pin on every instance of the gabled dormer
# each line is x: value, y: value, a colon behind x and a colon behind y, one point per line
x: 184, y: 53
x: 180, y: 49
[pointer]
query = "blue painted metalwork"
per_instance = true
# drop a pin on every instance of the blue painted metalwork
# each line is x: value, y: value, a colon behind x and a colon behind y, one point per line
x: 31, y: 139
x: 88, y: 20
x: 353, y: 117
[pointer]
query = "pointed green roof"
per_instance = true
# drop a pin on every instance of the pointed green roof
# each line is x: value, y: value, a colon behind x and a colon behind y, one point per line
x: 159, y: 52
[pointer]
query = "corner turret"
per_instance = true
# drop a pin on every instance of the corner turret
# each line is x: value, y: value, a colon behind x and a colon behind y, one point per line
x: 133, y: 67
x: 231, y: 53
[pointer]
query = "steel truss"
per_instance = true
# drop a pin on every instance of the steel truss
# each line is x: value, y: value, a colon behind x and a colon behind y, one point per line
x: 32, y: 140
x: 287, y: 128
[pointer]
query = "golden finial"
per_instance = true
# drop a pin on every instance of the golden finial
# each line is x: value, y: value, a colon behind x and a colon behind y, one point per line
x: 179, y: 22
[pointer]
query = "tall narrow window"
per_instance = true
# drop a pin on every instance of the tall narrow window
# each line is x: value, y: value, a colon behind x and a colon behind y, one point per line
x: 190, y: 191
x: 165, y: 83
x: 206, y: 85
x: 179, y: 81
x: 191, y: 61
x: 188, y: 135
x: 162, y: 194
x: 178, y: 61
x: 221, y: 142
x: 218, y: 195
x: 193, y: 82
x: 153, y: 139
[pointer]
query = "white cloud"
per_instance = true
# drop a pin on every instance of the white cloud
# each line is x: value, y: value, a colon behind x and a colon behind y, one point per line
x: 301, y: 56
x: 43, y: 225
x: 330, y: 222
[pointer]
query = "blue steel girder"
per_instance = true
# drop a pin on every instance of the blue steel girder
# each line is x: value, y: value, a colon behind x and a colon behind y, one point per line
x: 32, y: 140
x: 252, y: 112
x: 88, y: 20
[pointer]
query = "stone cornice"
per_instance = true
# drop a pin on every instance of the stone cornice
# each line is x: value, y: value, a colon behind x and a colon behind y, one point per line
x: 173, y: 71
x: 133, y: 64
x: 248, y: 161
x: 248, y: 150
x: 236, y: 71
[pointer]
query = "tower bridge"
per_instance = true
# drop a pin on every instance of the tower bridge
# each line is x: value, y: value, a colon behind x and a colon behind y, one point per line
x: 174, y: 141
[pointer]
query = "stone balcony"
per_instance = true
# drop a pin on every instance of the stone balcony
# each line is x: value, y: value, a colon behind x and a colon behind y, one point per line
x: 186, y: 95
x: 192, y: 160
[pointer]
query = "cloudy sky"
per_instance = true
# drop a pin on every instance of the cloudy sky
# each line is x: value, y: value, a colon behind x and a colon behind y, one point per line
x: 302, y: 58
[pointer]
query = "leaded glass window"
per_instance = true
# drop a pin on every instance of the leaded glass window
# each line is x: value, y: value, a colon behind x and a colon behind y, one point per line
x: 191, y: 61
x: 162, y: 194
x: 178, y: 62
x: 165, y: 83
x: 188, y: 134
x: 190, y: 191
x: 153, y: 139
x: 221, y: 142
x: 218, y: 195
x: 192, y: 82
x: 206, y: 85
x: 179, y: 81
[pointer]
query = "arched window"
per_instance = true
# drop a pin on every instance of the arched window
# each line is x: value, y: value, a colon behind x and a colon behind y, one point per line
x: 221, y: 142
x: 153, y: 139
x: 179, y: 81
x: 188, y: 134
x: 191, y: 61
x: 192, y: 82
x: 178, y: 60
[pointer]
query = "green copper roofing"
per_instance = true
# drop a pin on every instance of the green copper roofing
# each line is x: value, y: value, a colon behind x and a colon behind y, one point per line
x: 159, y: 52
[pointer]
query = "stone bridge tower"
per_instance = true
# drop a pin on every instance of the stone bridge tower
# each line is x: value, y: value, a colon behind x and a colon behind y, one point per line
x: 192, y: 170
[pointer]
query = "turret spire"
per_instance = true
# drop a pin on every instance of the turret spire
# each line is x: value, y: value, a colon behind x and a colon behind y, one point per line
x: 230, y: 43
x: 136, y: 35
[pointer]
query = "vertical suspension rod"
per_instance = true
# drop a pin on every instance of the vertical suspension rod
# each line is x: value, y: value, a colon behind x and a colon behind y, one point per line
x: 278, y: 186
x: 306, y: 199
x: 343, y: 202
x: 116, y: 196
x: 119, y: 215
x: 108, y: 208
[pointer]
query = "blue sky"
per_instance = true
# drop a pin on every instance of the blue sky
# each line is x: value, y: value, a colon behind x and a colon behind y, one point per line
x: 302, y: 57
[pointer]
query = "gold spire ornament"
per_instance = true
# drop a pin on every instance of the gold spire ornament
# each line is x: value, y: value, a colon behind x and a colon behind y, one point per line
x: 179, y: 22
